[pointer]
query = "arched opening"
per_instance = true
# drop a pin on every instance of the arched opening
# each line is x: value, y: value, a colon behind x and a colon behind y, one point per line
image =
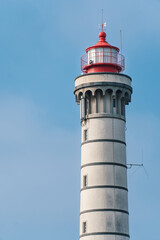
x: 107, y: 101
x: 126, y: 98
x: 88, y: 102
x: 118, y: 102
x: 99, y: 101
x: 80, y: 95
x: 122, y: 106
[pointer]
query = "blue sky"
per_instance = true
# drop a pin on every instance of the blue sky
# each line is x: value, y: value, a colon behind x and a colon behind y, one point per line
x: 40, y: 47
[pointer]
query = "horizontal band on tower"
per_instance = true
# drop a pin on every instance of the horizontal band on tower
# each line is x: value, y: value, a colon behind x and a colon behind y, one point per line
x: 103, y: 163
x: 105, y: 233
x: 104, y: 210
x: 104, y: 186
x: 109, y: 73
x: 103, y: 140
x: 105, y: 115
x: 97, y: 84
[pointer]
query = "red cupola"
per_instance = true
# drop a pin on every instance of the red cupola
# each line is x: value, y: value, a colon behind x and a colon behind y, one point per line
x: 102, y: 57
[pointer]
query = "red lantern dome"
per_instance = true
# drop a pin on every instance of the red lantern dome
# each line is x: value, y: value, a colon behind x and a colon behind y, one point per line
x: 102, y: 57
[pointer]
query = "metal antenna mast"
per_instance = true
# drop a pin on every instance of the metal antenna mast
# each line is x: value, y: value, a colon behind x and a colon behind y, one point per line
x: 121, y: 40
x: 103, y: 25
x: 130, y: 165
x: 102, y: 20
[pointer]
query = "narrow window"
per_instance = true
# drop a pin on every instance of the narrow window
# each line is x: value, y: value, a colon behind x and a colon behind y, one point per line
x: 122, y: 107
x: 85, y: 135
x: 85, y: 181
x: 114, y: 102
x: 84, y: 227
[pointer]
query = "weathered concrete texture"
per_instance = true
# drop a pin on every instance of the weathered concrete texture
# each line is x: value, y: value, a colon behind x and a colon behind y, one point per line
x: 104, y: 175
x: 102, y: 128
x: 104, y: 198
x: 95, y: 152
x: 105, y: 222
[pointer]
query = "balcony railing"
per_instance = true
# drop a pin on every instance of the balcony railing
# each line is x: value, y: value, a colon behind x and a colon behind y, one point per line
x: 112, y: 58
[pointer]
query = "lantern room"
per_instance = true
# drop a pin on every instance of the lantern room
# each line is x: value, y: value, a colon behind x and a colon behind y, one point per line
x: 102, y: 57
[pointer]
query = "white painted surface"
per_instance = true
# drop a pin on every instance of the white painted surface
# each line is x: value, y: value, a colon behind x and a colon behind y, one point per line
x: 102, y: 128
x: 104, y: 237
x: 105, y: 222
x: 104, y: 175
x: 103, y: 152
x: 104, y: 198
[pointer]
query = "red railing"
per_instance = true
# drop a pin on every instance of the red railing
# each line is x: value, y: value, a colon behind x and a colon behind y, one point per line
x: 101, y: 57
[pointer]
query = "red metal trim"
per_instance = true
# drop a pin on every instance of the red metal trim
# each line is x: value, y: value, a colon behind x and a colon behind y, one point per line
x: 102, y: 45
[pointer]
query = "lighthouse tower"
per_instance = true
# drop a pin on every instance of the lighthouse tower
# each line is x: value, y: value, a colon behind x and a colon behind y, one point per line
x: 102, y: 92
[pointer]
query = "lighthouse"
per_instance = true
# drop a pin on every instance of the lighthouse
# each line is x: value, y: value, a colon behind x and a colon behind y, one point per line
x: 103, y: 91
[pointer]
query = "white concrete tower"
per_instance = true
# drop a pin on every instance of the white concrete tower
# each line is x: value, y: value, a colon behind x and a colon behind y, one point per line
x: 102, y: 92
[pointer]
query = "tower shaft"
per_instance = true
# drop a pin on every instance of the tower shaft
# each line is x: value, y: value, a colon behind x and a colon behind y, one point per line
x: 104, y: 194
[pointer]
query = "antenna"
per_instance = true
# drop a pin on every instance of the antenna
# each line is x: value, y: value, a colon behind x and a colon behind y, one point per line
x: 130, y: 165
x: 102, y: 19
x: 144, y: 167
x: 103, y: 25
x: 121, y: 40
